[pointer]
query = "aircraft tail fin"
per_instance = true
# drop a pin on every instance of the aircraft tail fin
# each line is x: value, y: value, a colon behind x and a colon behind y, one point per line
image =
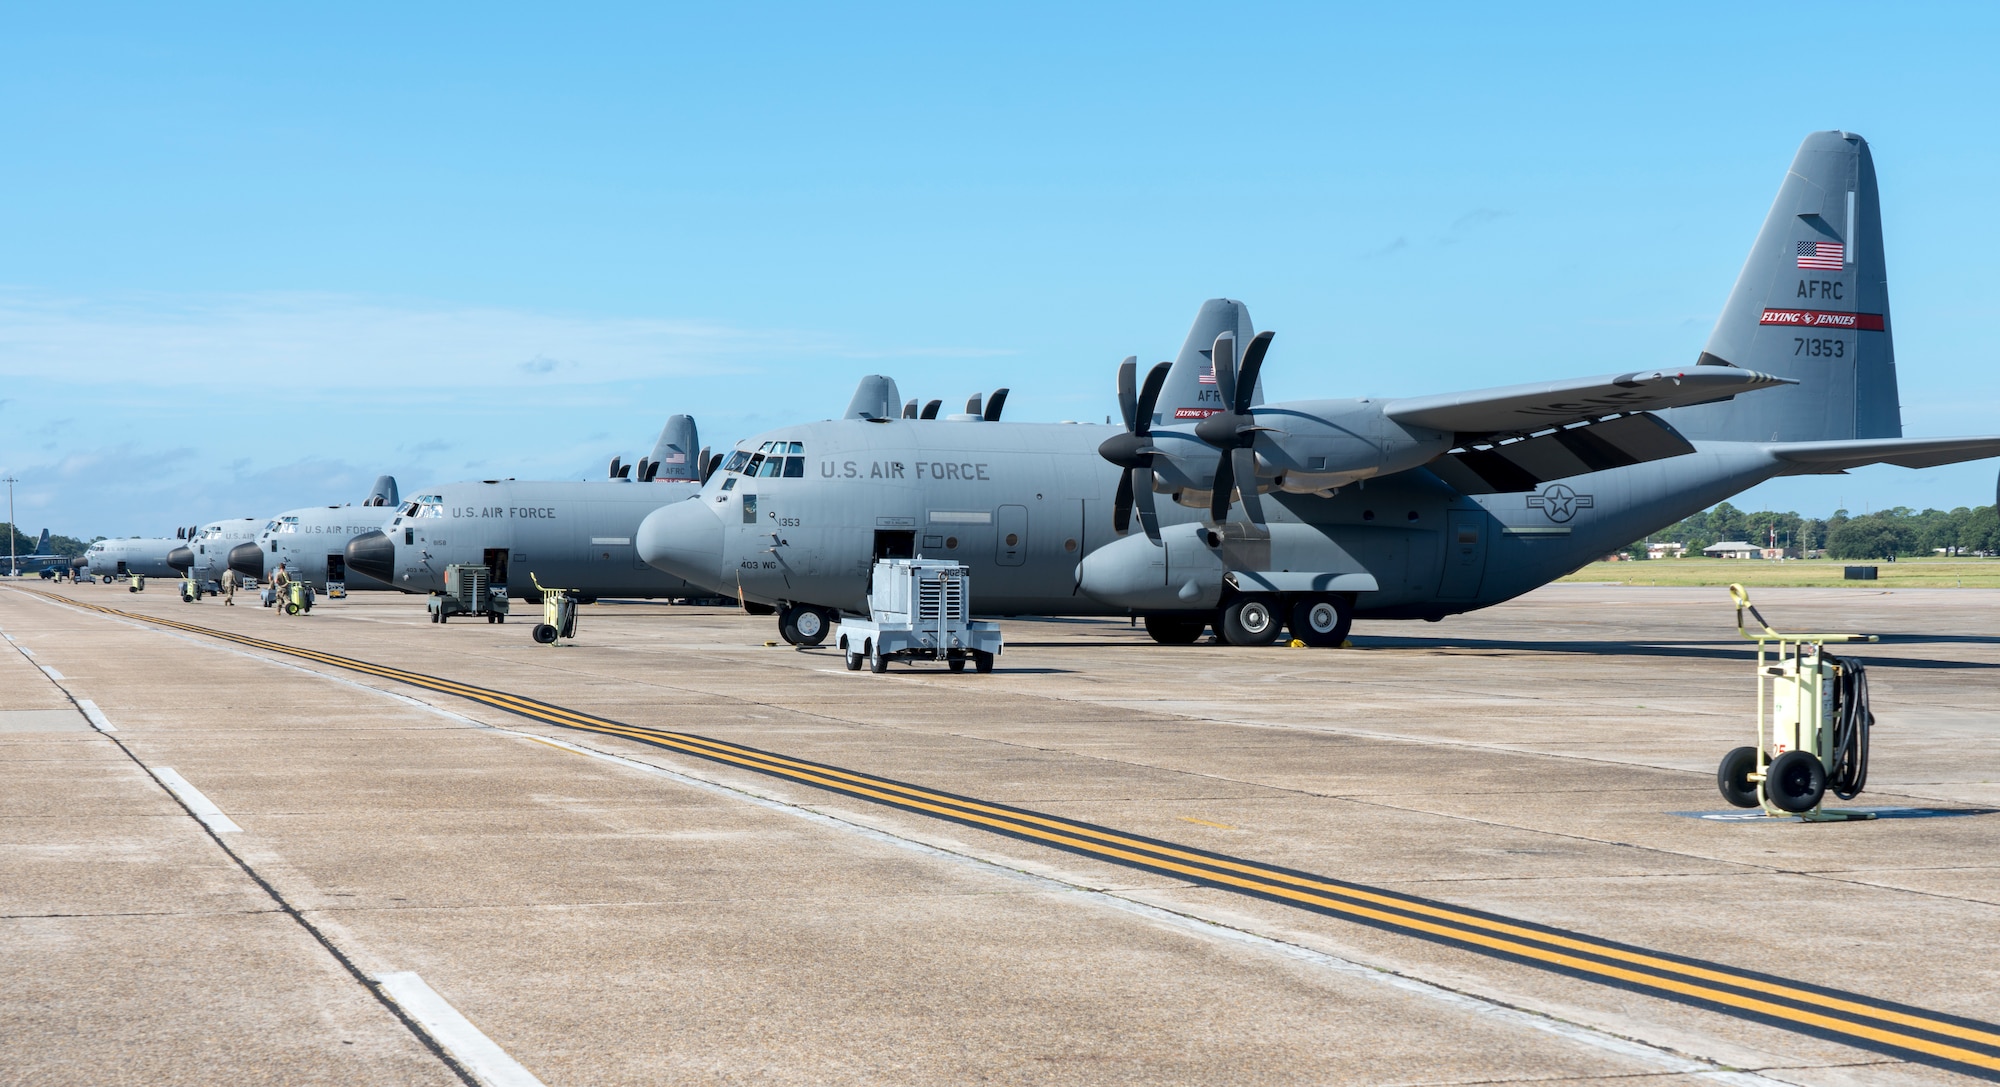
x: 42, y: 548
x: 875, y: 398
x: 383, y: 493
x: 1812, y: 304
x: 677, y: 455
x: 1191, y: 391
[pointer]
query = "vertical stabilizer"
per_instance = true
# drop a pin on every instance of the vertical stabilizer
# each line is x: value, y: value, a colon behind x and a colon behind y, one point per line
x: 676, y: 456
x: 383, y: 493
x: 1190, y: 391
x: 874, y: 398
x: 42, y: 548
x: 1812, y: 304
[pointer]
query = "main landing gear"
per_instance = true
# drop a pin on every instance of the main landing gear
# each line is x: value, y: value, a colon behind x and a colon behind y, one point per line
x: 1252, y: 619
x: 804, y: 624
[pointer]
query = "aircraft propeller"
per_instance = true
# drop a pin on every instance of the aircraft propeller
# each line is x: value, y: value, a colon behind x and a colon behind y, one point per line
x: 1133, y: 450
x: 1234, y: 430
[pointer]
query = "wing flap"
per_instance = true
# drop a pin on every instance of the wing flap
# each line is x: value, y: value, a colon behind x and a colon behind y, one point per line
x: 1813, y: 458
x: 1527, y: 463
x: 1517, y: 409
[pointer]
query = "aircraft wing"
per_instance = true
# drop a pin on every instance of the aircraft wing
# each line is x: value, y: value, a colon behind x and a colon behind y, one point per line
x: 1827, y: 458
x: 1516, y: 409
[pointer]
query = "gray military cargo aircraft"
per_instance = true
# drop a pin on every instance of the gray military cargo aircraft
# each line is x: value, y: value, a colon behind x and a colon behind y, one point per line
x: 570, y: 535
x: 142, y: 555
x: 1310, y: 513
x: 43, y: 557
x: 205, y: 552
x: 312, y: 542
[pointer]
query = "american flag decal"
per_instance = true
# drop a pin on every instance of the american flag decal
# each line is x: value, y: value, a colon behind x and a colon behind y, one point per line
x: 1207, y: 376
x: 675, y: 458
x: 1825, y: 255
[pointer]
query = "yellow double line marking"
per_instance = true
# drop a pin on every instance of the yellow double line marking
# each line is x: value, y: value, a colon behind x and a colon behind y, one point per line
x: 1966, y: 1045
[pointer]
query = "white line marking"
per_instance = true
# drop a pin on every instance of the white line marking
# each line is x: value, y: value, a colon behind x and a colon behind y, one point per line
x: 488, y: 1063
x: 94, y: 715
x: 25, y: 651
x: 53, y: 674
x: 203, y: 808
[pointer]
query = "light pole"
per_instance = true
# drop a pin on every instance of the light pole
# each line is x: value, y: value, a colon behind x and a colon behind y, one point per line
x: 13, y: 564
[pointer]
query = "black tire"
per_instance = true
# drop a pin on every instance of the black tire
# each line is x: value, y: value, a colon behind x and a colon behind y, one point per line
x: 877, y: 662
x: 1733, y: 777
x: 291, y: 609
x: 434, y: 617
x: 982, y: 663
x: 1250, y: 620
x: 1322, y: 620
x: 853, y: 661
x: 1176, y: 629
x: 1795, y: 781
x: 501, y: 619
x: 956, y: 664
x: 543, y: 633
x: 803, y: 624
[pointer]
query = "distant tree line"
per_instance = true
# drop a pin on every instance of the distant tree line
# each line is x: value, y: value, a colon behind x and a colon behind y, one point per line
x: 25, y: 542
x: 1884, y: 534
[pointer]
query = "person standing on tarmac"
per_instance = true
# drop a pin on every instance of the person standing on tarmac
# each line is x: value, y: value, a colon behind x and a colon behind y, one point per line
x: 229, y: 579
x: 281, y: 587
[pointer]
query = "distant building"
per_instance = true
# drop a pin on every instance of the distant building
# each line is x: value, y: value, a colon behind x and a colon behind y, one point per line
x: 1666, y: 550
x: 1733, y: 549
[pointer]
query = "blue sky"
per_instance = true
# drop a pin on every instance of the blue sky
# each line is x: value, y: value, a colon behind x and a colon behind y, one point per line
x: 254, y: 256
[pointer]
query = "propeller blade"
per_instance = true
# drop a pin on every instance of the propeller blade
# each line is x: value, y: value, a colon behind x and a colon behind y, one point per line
x: 1225, y: 481
x: 1149, y: 397
x: 703, y: 469
x: 994, y: 403
x: 972, y: 406
x: 1245, y: 462
x: 1223, y: 357
x: 1149, y: 514
x: 1246, y: 378
x: 1121, y: 506
x: 1128, y: 391
x: 931, y: 409
x: 910, y: 409
x: 615, y: 461
x: 714, y: 462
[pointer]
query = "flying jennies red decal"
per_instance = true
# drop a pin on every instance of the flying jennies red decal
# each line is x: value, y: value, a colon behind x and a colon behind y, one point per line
x: 1813, y: 318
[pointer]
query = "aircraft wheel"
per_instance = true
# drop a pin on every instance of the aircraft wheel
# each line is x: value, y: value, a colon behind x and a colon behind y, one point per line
x: 1795, y: 781
x: 983, y: 663
x: 1733, y: 777
x: 543, y: 633
x: 1251, y: 619
x: 1175, y: 629
x: 1322, y: 620
x: 803, y: 624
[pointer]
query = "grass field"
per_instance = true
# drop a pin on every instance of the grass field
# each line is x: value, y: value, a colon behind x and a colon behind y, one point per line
x: 1959, y: 573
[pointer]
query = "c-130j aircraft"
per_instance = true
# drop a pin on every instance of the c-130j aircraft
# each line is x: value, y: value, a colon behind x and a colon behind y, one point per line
x: 1308, y: 514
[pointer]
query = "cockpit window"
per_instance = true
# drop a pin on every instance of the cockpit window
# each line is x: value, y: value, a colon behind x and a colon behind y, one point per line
x: 774, y: 466
x: 737, y: 460
x: 750, y: 469
x: 426, y: 505
x: 795, y: 467
x: 797, y: 447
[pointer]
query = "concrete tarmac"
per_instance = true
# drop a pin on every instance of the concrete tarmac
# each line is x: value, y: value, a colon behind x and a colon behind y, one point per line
x: 588, y: 909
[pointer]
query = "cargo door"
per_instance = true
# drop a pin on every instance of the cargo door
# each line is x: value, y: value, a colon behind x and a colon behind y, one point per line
x: 336, y: 568
x: 1464, y: 554
x: 1010, y: 535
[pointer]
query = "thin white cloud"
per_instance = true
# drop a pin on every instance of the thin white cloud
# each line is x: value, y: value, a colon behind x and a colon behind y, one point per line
x: 334, y: 340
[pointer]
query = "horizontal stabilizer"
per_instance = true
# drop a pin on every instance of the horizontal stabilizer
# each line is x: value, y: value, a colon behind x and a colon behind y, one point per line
x: 1520, y: 409
x: 1816, y: 458
x: 1527, y: 463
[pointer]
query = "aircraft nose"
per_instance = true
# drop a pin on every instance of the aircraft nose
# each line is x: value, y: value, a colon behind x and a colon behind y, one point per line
x: 247, y: 559
x: 181, y: 558
x: 685, y: 540
x: 373, y: 554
